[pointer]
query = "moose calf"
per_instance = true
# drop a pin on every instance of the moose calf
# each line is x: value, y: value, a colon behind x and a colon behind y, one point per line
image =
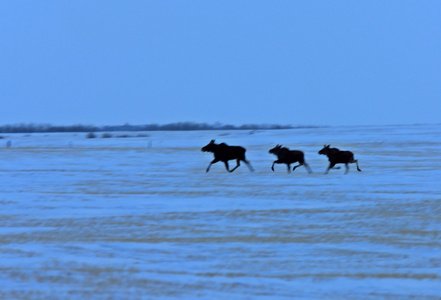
x: 223, y: 152
x: 286, y: 156
x: 335, y: 156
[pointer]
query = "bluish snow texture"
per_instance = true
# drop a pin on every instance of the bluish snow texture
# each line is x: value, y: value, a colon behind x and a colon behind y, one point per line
x: 138, y: 218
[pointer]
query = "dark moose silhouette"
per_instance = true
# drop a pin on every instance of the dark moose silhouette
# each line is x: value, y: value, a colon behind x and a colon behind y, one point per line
x: 286, y: 156
x: 336, y: 156
x: 223, y: 152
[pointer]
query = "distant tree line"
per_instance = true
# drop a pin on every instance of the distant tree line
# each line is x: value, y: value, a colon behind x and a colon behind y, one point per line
x: 30, y: 128
x: 180, y: 126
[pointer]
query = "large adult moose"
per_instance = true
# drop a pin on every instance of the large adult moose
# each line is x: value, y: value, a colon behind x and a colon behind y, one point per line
x: 223, y: 152
x: 336, y: 156
x: 288, y: 157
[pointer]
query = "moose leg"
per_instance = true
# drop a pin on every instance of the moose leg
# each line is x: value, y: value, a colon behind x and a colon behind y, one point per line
x: 356, y: 162
x: 300, y: 164
x: 275, y: 162
x: 227, y: 166
x: 289, y: 167
x: 331, y: 165
x: 248, y: 165
x: 307, y: 167
x: 213, y: 162
x: 347, y: 168
x: 237, y: 166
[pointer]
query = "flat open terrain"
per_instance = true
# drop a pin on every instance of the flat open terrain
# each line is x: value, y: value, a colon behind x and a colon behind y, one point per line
x: 138, y: 217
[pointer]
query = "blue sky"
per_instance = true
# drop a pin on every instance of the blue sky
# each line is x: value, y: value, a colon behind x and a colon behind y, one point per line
x: 236, y: 62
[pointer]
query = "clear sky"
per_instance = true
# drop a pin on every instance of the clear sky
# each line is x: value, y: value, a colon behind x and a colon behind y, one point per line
x: 236, y: 62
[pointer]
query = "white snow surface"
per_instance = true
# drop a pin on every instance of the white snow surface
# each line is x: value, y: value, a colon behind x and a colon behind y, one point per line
x: 139, y: 218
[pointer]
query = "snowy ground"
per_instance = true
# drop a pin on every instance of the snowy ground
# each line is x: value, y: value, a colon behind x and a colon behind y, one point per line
x: 139, y: 217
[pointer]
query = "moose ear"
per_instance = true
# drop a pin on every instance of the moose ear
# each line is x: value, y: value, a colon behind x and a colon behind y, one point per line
x: 212, y: 142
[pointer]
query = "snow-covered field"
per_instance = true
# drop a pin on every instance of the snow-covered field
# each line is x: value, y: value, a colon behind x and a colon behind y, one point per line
x: 138, y: 218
